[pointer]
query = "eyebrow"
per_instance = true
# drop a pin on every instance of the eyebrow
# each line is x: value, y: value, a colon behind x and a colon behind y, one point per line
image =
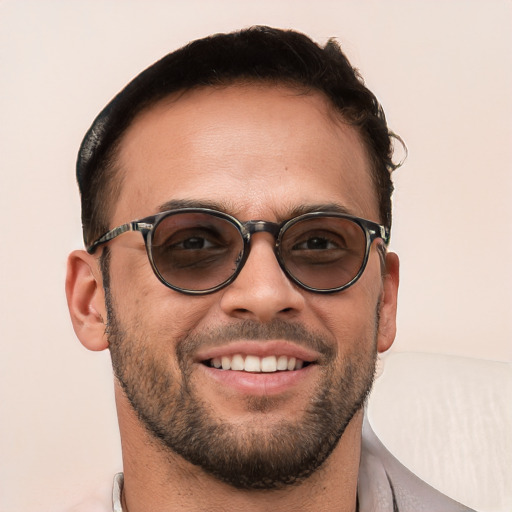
x: 176, y: 204
x: 319, y: 207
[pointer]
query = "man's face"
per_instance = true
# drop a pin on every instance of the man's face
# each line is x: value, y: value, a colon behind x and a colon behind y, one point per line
x: 257, y: 153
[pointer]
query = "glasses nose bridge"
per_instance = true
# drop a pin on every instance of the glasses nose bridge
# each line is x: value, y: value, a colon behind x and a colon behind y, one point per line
x: 260, y: 226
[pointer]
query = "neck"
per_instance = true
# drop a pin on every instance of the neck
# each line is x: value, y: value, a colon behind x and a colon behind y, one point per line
x: 155, y: 479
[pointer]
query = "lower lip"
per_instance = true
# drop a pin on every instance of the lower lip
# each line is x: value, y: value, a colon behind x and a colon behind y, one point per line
x: 259, y: 384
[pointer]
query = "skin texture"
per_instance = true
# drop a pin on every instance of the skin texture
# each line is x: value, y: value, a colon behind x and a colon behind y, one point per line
x: 257, y: 152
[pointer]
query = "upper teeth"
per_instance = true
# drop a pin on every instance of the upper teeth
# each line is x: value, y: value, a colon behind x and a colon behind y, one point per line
x: 257, y: 364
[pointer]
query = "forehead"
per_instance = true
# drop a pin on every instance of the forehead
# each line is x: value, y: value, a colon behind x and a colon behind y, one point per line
x: 256, y: 150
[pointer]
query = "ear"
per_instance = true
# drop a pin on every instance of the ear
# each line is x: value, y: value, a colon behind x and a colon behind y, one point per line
x: 86, y: 300
x: 387, y: 320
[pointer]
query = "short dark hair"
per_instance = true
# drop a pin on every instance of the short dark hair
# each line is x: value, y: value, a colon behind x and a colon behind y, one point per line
x: 257, y: 54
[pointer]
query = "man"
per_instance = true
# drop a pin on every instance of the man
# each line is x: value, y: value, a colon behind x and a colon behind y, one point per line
x: 245, y: 317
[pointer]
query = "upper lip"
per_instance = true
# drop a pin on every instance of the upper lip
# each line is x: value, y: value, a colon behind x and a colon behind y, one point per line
x: 260, y: 349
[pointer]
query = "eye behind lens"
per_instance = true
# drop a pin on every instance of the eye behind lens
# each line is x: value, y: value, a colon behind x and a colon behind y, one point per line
x: 196, y: 251
x: 323, y: 253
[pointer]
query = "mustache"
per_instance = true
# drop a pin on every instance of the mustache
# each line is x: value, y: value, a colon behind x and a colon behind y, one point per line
x: 256, y: 331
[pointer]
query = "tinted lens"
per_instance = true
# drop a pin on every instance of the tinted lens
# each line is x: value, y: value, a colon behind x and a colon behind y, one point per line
x: 324, y: 252
x: 196, y: 251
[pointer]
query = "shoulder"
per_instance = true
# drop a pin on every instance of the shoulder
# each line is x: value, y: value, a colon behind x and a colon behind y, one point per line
x: 410, y: 492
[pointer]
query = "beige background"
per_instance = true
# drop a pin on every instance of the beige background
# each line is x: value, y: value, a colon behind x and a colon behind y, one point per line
x: 442, y: 70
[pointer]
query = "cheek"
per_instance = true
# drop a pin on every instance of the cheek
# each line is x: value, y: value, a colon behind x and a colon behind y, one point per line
x: 351, y: 327
x: 168, y: 316
x: 146, y: 306
x: 351, y: 316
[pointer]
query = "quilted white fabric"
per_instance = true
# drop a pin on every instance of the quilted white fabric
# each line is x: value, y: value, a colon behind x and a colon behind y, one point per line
x: 449, y: 420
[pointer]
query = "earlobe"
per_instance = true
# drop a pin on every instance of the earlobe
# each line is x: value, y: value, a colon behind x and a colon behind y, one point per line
x: 387, y: 320
x: 86, y: 300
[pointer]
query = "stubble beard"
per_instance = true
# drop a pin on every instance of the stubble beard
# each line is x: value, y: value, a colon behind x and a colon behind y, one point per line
x: 252, y: 455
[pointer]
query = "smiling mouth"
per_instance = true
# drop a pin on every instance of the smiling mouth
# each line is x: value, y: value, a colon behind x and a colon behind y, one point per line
x: 256, y: 364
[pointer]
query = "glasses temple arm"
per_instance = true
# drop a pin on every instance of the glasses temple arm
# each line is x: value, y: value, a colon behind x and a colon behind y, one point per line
x: 376, y: 230
x: 113, y: 233
x: 385, y: 234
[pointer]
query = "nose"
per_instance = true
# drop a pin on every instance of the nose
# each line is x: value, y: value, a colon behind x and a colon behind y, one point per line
x: 262, y: 291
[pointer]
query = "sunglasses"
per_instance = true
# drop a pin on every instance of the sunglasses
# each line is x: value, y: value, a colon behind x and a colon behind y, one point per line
x: 198, y: 251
